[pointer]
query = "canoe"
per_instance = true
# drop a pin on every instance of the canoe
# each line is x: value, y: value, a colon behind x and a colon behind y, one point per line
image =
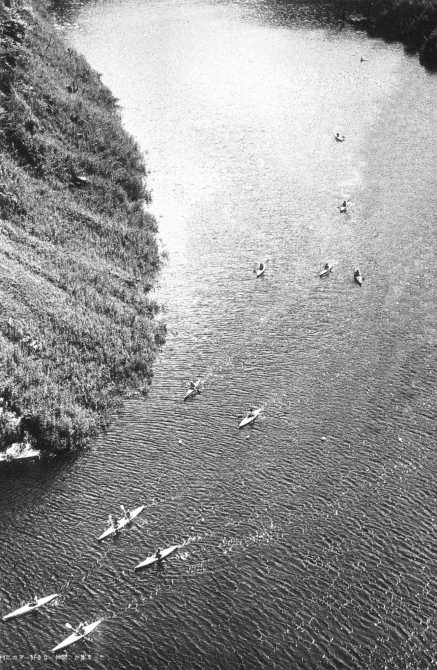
x: 30, y: 607
x: 326, y: 271
x: 122, y: 523
x: 191, y: 391
x: 150, y: 560
x: 74, y: 637
x: 249, y: 419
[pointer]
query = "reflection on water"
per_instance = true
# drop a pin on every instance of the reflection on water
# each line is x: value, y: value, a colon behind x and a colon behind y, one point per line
x: 307, y: 539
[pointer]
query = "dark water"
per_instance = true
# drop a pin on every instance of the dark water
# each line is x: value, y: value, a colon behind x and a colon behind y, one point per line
x: 309, y: 540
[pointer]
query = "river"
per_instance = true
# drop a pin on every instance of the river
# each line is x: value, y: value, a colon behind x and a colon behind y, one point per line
x: 309, y: 540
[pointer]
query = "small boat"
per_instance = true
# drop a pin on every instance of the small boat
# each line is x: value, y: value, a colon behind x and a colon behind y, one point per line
x: 121, y: 523
x: 20, y: 451
x: 260, y: 270
x: 339, y: 138
x: 150, y: 560
x: 250, y: 419
x: 358, y: 277
x: 75, y: 637
x: 326, y: 271
x: 31, y: 606
x: 192, y: 391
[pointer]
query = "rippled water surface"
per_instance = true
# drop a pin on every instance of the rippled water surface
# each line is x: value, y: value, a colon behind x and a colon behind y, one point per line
x: 309, y: 540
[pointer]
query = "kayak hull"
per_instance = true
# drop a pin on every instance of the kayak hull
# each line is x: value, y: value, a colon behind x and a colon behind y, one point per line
x: 25, y: 609
x: 326, y: 272
x: 122, y: 523
x: 150, y: 560
x: 249, y: 419
x: 192, y: 392
x: 74, y: 637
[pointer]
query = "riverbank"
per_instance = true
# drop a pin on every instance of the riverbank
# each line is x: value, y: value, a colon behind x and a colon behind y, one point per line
x: 78, y: 251
x: 412, y: 22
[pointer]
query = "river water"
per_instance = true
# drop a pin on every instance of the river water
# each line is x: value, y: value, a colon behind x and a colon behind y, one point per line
x: 309, y: 540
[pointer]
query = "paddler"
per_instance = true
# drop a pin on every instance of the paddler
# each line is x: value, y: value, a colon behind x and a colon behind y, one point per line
x: 126, y: 512
x: 251, y: 412
x: 343, y: 207
x: 80, y: 630
x: 158, y: 554
x: 194, y: 386
x: 111, y: 523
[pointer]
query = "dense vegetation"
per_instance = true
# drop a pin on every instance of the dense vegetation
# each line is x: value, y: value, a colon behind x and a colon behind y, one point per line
x: 78, y: 254
x: 413, y: 22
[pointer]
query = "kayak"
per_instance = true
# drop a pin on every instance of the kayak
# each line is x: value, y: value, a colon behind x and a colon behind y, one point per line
x: 30, y: 607
x: 342, y: 209
x: 153, y: 559
x: 192, y: 391
x: 359, y: 279
x: 259, y: 273
x: 340, y: 138
x: 326, y: 271
x: 249, y: 419
x: 75, y: 637
x: 121, y: 523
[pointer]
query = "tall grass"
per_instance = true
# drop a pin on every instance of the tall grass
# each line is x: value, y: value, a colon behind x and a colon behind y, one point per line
x: 78, y: 252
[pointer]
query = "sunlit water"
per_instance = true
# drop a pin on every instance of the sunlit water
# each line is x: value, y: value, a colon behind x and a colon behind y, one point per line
x: 309, y: 540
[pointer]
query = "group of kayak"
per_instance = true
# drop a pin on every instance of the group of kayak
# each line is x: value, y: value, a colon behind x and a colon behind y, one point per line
x: 85, y: 627
x: 194, y: 389
x: 358, y: 277
x: 328, y: 268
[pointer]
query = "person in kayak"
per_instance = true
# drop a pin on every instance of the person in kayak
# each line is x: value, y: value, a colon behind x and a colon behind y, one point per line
x: 33, y: 602
x: 158, y: 554
x: 81, y: 629
x: 261, y: 266
x: 343, y: 206
x: 326, y: 267
x: 251, y: 412
x: 111, y: 523
x: 126, y: 512
x: 195, y: 386
x: 357, y: 273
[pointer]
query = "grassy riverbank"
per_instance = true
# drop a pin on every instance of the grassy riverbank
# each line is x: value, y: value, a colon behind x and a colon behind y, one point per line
x: 78, y: 253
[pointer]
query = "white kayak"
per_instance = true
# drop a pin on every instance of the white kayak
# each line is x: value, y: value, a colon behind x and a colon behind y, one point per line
x: 121, y: 523
x: 30, y: 607
x: 192, y: 391
x: 75, y: 637
x: 326, y: 271
x: 154, y: 559
x: 249, y: 419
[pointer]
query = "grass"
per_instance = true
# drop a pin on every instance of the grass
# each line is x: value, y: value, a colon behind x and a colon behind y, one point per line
x: 78, y: 252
